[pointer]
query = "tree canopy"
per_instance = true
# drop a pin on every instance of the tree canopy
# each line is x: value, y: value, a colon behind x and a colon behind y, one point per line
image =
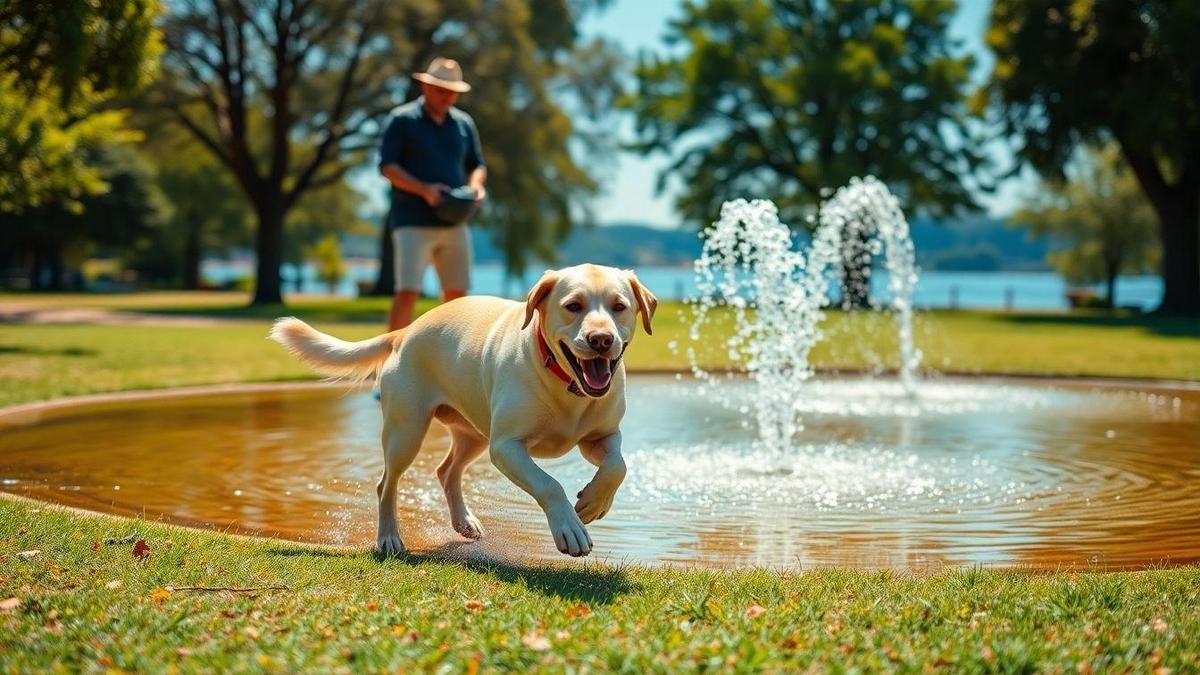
x: 324, y: 73
x: 786, y: 98
x: 61, y: 66
x: 1100, y: 219
x: 79, y: 45
x: 130, y: 208
x: 1069, y: 73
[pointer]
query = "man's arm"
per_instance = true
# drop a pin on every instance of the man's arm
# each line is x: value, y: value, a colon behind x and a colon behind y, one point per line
x: 476, y: 180
x: 403, y: 180
x: 476, y: 169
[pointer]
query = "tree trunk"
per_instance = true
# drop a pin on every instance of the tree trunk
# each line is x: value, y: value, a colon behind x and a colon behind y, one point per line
x: 1179, y: 227
x: 385, y: 283
x: 268, y: 287
x: 1110, y: 283
x: 37, y: 264
x: 192, y: 253
x: 58, y: 273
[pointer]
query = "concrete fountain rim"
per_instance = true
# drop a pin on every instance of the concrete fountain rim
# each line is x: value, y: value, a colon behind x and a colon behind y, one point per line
x: 68, y: 402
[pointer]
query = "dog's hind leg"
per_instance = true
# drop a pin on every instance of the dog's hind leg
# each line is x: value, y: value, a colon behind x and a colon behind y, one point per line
x: 465, y: 447
x: 402, y: 436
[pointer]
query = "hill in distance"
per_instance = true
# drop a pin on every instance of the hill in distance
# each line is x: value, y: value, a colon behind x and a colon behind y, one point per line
x: 971, y: 243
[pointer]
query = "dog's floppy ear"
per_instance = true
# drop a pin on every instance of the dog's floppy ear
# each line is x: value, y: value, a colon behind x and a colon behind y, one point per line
x: 646, y: 302
x: 538, y: 293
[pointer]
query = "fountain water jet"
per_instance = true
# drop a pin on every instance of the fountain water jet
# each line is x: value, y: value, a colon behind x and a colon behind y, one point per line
x: 777, y: 293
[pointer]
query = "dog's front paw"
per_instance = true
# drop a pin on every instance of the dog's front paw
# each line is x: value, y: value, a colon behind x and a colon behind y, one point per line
x: 570, y: 536
x: 593, y: 502
x: 389, y: 544
x: 468, y: 526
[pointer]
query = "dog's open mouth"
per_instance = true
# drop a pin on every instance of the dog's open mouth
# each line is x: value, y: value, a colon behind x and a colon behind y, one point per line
x: 594, y: 375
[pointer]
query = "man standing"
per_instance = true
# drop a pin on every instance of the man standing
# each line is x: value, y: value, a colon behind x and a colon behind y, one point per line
x: 429, y: 148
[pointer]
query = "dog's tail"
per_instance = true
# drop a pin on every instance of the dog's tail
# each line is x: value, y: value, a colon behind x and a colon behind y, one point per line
x: 340, y: 360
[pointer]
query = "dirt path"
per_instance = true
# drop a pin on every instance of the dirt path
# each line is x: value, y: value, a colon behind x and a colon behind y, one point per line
x: 22, y: 313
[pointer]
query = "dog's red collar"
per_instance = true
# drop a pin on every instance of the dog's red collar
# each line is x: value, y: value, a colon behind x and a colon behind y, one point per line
x: 550, y: 362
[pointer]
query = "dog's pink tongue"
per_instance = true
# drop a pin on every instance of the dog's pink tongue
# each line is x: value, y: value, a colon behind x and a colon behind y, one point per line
x: 596, y: 372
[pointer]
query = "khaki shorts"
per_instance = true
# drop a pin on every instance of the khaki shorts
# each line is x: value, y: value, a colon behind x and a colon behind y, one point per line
x: 448, y: 248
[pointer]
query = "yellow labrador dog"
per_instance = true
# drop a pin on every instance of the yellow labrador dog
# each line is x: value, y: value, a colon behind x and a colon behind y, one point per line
x: 522, y: 380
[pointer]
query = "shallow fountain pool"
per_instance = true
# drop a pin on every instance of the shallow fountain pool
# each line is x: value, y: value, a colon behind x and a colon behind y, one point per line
x: 1002, y: 472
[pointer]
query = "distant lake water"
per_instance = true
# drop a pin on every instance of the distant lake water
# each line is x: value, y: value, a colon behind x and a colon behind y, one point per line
x: 935, y: 290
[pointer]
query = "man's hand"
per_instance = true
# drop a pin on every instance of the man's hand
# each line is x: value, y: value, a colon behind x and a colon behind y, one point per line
x: 480, y: 193
x: 432, y: 193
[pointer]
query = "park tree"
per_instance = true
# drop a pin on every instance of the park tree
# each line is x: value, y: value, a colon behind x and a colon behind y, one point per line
x: 327, y: 255
x: 284, y: 94
x: 787, y: 98
x: 1099, y: 218
x: 79, y: 46
x: 61, y: 66
x: 58, y: 235
x: 1072, y: 73
x: 44, y: 148
x: 210, y: 215
x: 324, y: 73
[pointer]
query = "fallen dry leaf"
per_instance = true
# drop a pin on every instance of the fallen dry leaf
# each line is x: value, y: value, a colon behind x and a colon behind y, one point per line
x: 9, y: 604
x: 1159, y: 625
x: 473, y: 605
x: 535, y: 641
x: 580, y: 611
x: 141, y: 549
x: 27, y: 555
x: 113, y: 585
x: 251, y: 632
x: 160, y: 595
x: 755, y: 611
x: 183, y: 651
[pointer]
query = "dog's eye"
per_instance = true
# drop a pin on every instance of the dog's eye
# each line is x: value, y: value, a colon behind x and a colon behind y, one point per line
x: 619, y: 307
x: 573, y: 307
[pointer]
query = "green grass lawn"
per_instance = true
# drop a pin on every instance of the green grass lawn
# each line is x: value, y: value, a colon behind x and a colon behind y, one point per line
x: 39, y: 362
x: 84, y: 604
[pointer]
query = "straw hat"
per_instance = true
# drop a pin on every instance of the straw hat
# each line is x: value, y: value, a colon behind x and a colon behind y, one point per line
x: 444, y: 73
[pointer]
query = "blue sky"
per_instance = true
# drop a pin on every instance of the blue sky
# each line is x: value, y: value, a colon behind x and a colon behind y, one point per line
x: 640, y: 24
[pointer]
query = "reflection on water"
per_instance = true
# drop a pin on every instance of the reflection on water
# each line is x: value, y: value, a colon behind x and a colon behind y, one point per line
x: 967, y: 472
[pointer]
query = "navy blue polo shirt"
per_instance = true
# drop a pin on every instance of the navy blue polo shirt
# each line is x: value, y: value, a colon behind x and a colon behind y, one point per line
x: 434, y: 153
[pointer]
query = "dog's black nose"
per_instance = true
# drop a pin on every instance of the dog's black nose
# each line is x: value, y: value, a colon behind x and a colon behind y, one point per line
x: 600, y: 341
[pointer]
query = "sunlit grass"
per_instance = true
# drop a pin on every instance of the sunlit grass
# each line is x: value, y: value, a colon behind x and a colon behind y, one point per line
x: 39, y: 362
x: 85, y: 602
